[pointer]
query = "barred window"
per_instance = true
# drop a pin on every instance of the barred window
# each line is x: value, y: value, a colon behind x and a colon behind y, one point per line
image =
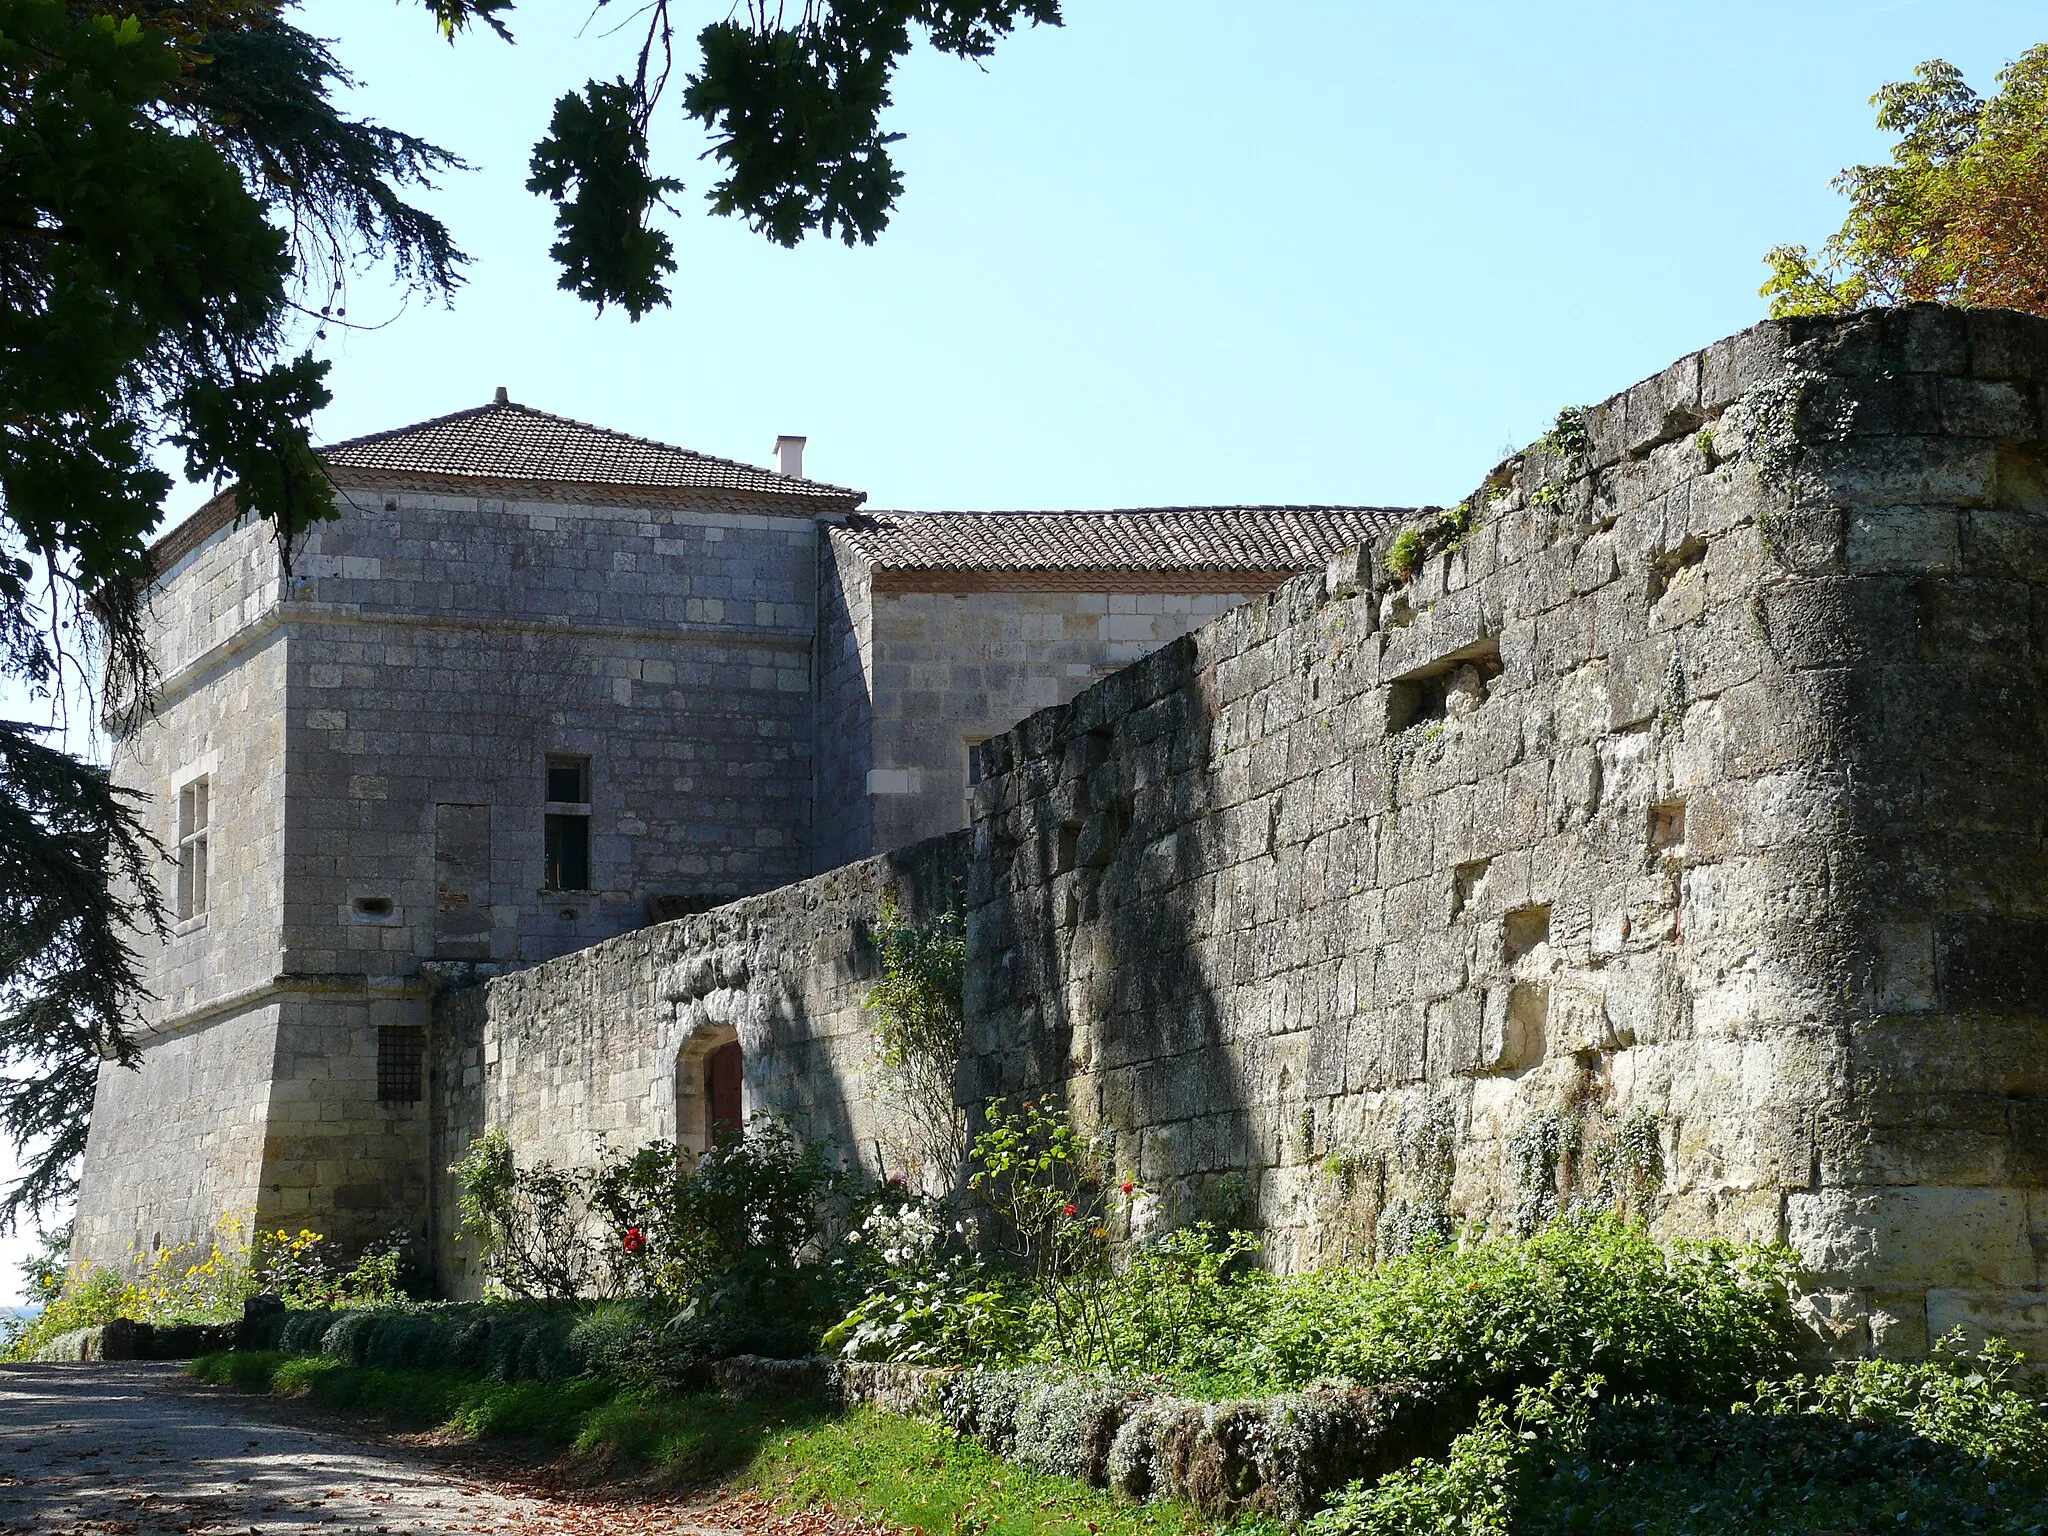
x: 401, y: 1063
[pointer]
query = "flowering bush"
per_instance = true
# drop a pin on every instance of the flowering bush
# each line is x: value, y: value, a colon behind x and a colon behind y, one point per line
x: 1058, y: 1208
x: 176, y: 1285
x: 747, y: 1239
x: 933, y: 1303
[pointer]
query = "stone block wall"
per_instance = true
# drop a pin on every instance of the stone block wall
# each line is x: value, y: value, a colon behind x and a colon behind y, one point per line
x: 1672, y: 839
x: 444, y: 645
x: 177, y: 1144
x: 596, y: 1049
x: 953, y: 668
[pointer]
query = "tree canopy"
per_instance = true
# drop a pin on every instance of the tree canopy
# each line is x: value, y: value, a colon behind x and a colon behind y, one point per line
x: 1960, y: 216
x: 182, y: 199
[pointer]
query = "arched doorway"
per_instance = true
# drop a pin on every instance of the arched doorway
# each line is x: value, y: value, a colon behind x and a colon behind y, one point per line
x: 711, y: 1091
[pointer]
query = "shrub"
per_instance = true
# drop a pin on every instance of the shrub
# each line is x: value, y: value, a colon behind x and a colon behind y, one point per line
x: 932, y: 1302
x: 529, y: 1225
x: 746, y: 1241
x: 1404, y: 555
x: 91, y: 1297
x: 1183, y: 1304
x: 1584, y: 1296
x: 1955, y: 1444
x: 176, y: 1285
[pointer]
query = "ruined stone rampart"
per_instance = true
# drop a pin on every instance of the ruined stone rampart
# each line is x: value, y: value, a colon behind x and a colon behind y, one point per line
x: 1672, y: 839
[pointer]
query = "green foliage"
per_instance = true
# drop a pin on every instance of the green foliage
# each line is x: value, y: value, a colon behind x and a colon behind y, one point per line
x: 1956, y: 1444
x: 528, y: 1225
x: 746, y: 1240
x: 933, y: 1302
x: 1405, y: 554
x: 1055, y: 1198
x: 1582, y: 1296
x: 1960, y: 215
x: 593, y: 164
x: 202, y: 1282
x: 1416, y: 542
x: 89, y: 1299
x: 1182, y: 1305
x: 795, y: 110
x: 77, y: 884
x: 176, y: 182
x: 43, y: 1272
x: 1980, y: 1405
x: 919, y: 1016
x: 1569, y: 440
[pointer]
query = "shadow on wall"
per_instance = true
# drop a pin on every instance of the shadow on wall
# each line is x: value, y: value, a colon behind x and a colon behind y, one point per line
x: 1092, y: 891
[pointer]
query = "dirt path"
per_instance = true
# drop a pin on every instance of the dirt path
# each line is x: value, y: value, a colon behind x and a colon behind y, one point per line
x: 141, y: 1450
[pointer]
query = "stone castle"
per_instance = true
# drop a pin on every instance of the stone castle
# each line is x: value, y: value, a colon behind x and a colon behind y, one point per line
x: 1667, y: 832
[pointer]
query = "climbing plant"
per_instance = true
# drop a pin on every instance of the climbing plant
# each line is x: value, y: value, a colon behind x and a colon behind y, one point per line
x: 919, y: 1017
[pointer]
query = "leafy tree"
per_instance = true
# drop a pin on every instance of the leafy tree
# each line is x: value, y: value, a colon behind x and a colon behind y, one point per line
x: 1960, y: 216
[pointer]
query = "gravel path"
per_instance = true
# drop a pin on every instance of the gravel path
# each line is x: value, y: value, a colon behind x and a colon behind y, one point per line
x: 142, y: 1450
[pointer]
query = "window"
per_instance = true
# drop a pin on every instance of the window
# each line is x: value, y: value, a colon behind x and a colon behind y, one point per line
x: 567, y: 853
x: 401, y: 1063
x: 193, y: 812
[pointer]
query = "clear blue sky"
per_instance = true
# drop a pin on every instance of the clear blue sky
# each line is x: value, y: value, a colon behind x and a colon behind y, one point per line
x: 1180, y: 251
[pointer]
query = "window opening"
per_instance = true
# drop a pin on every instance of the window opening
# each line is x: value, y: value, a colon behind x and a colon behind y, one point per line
x: 401, y: 1063
x: 567, y: 850
x: 193, y: 815
x: 722, y: 1090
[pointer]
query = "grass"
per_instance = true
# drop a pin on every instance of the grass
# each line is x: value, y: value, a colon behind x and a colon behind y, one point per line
x: 879, y: 1466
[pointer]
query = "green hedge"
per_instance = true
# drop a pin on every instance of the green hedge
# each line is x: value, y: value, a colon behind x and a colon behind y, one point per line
x: 499, y: 1342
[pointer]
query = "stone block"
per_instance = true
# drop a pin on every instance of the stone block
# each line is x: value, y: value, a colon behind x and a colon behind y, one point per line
x: 1913, y: 1237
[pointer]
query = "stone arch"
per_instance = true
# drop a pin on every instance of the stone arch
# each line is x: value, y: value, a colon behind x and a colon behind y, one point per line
x: 711, y: 1087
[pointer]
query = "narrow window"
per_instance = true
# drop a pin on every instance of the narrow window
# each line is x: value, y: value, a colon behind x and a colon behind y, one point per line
x: 192, y: 820
x: 567, y: 854
x: 401, y: 1063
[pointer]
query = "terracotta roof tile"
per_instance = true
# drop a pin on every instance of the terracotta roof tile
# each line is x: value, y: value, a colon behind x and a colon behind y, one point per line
x: 1159, y: 538
x: 507, y: 441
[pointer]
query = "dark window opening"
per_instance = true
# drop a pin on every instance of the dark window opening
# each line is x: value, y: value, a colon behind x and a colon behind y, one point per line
x: 401, y: 1063
x: 722, y: 1092
x: 568, y: 853
x: 569, y: 780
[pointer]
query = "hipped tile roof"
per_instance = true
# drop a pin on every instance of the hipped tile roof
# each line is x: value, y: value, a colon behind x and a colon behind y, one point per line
x: 507, y: 441
x: 1258, y: 539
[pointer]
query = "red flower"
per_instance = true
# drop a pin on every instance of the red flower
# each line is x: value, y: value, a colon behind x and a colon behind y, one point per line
x: 1068, y: 1211
x: 1129, y: 1185
x: 635, y: 1241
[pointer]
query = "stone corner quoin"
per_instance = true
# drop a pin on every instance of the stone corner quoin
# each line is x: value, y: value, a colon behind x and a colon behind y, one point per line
x: 1670, y: 837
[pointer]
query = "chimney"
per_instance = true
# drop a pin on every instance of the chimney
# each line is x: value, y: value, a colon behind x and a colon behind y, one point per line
x: 503, y: 398
x: 789, y: 456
